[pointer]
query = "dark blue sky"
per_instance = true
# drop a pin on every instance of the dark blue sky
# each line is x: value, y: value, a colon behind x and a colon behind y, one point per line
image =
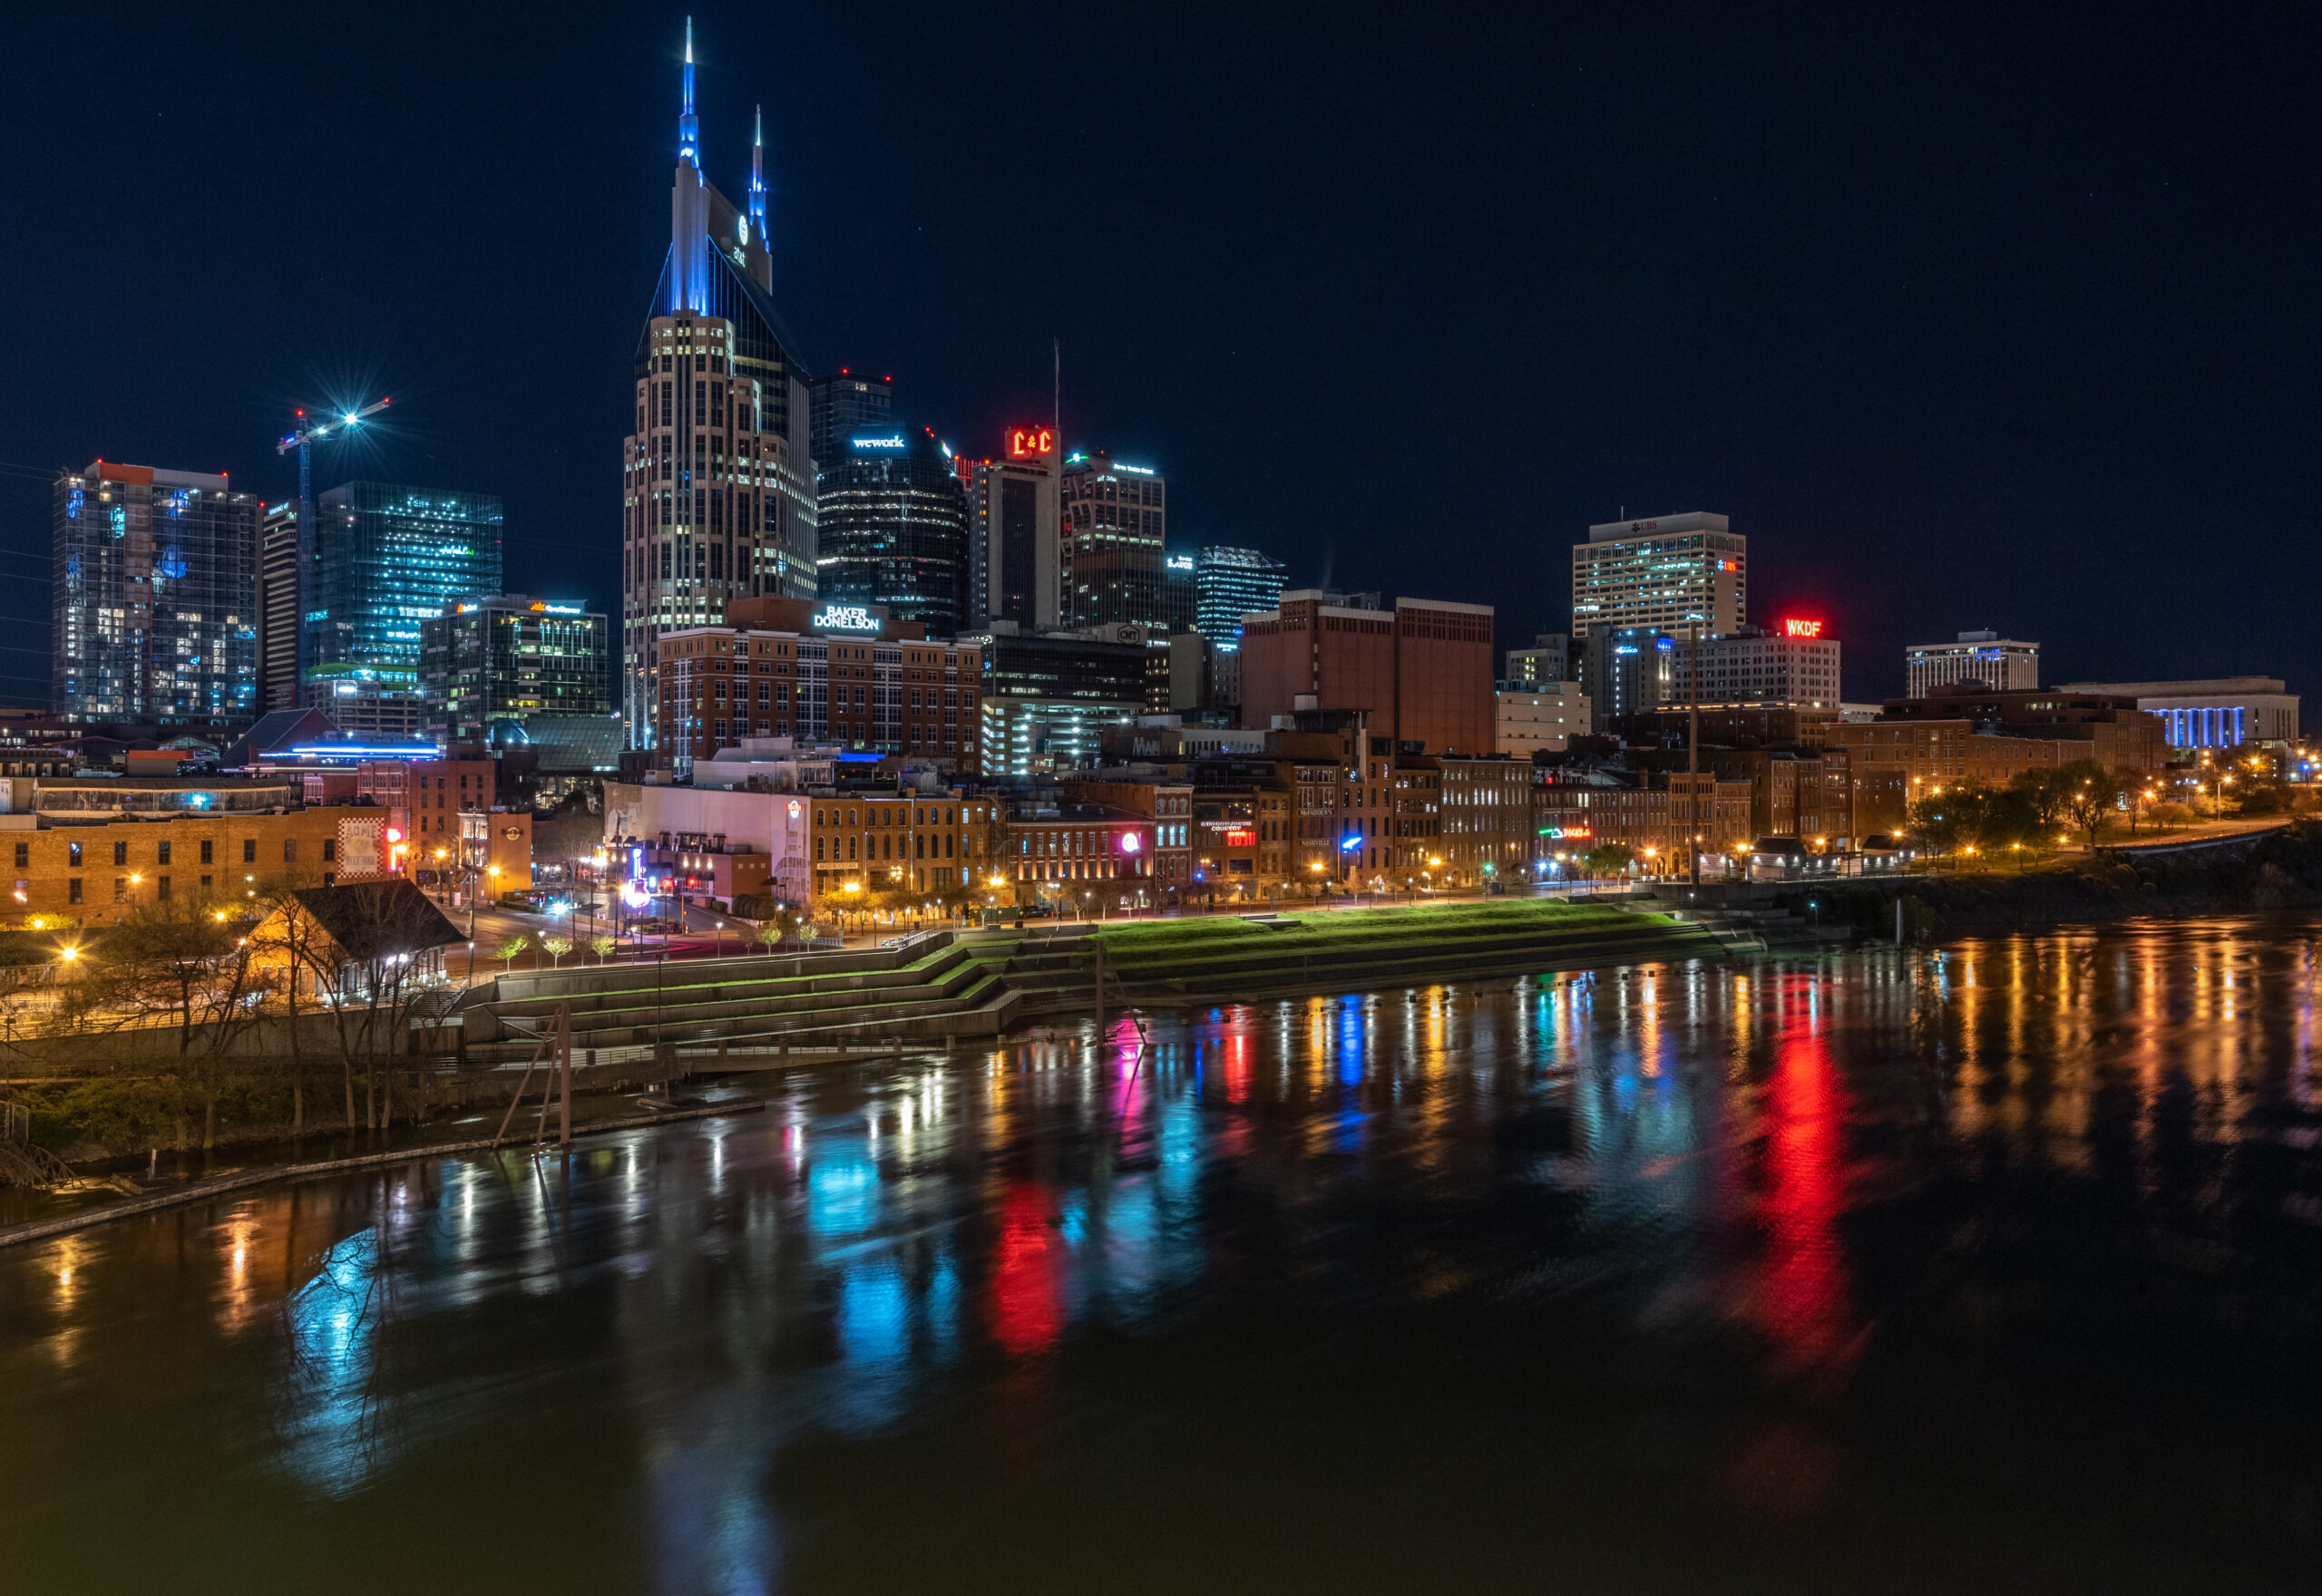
x: 1964, y: 318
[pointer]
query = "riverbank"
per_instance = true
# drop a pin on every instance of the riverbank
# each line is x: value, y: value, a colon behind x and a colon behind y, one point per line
x: 97, y: 1202
x: 2280, y: 870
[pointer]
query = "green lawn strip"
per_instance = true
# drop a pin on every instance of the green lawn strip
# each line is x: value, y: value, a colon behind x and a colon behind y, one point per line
x: 1255, y: 962
x: 1129, y: 941
x: 1323, y: 935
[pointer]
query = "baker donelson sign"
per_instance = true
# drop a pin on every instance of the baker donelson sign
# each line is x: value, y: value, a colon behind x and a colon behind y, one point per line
x: 843, y: 617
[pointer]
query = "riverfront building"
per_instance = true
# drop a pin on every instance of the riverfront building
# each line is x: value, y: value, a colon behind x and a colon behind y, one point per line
x: 87, y: 851
x: 153, y: 597
x: 716, y: 477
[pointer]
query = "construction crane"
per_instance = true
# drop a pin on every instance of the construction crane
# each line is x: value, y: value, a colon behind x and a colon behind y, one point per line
x: 303, y: 438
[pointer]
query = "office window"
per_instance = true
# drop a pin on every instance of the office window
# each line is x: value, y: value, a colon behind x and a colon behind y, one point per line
x: 205, y: 853
x: 163, y: 851
x: 73, y: 856
x: 24, y: 856
x: 73, y: 887
x: 249, y: 850
x: 121, y: 853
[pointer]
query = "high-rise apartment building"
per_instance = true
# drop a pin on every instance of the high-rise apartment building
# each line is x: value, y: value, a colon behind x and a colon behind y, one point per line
x: 381, y: 559
x: 840, y: 406
x: 1015, y: 550
x: 2001, y: 664
x: 1661, y: 573
x: 1421, y: 672
x: 277, y: 606
x: 892, y: 528
x: 1232, y: 583
x: 1548, y: 659
x: 717, y: 484
x: 1115, y: 518
x: 509, y: 657
x: 153, y: 597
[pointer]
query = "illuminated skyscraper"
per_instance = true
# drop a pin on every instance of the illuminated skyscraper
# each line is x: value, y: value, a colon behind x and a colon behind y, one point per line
x: 154, y: 597
x: 277, y: 606
x: 1014, y: 551
x: 1114, y: 521
x: 718, y: 485
x: 892, y: 526
x: 384, y: 559
x: 1229, y: 583
x: 842, y: 405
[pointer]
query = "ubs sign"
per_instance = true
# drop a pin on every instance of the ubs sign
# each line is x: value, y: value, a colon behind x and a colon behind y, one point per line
x: 842, y: 618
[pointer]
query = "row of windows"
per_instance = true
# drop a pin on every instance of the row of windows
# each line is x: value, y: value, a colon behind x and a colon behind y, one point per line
x: 74, y: 850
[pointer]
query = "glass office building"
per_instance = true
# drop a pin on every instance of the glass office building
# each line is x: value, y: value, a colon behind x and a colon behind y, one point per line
x: 154, y: 597
x: 511, y: 658
x: 1228, y: 584
x: 892, y: 524
x: 379, y: 562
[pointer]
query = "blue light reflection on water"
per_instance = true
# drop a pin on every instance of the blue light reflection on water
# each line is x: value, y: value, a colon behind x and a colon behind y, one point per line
x: 718, y: 1300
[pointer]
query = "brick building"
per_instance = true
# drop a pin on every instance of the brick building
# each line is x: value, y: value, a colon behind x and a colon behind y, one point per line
x: 1421, y: 673
x: 840, y: 675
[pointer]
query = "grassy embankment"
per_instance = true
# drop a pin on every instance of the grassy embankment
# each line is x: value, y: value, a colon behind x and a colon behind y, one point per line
x: 1454, y: 939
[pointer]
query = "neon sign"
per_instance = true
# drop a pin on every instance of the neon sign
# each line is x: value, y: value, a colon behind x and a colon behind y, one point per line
x: 1242, y: 837
x: 1030, y: 443
x: 1801, y: 628
x: 1131, y: 843
x: 893, y: 442
x: 843, y: 617
x: 1561, y: 832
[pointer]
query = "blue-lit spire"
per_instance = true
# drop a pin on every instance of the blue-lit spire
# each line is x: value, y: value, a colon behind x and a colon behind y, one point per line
x: 757, y: 179
x: 689, y: 129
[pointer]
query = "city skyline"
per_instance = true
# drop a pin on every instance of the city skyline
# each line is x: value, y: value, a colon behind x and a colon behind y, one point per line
x: 2131, y: 416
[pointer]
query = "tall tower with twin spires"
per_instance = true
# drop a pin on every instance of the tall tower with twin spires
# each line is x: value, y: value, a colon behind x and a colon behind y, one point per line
x: 718, y: 489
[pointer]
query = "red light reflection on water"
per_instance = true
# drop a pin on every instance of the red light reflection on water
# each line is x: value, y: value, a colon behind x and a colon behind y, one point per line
x: 1027, y: 1283
x: 1802, y: 1286
x: 1234, y: 1059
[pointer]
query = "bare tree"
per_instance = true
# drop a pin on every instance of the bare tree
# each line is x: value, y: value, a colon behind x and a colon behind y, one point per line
x: 179, y: 958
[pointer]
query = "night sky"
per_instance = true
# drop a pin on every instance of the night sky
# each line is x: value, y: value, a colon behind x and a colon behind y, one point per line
x: 1966, y: 319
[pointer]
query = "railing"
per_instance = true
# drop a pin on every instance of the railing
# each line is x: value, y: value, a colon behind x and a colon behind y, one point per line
x: 21, y: 1162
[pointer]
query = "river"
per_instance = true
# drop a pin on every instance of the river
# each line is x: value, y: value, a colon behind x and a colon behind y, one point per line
x: 1996, y: 1267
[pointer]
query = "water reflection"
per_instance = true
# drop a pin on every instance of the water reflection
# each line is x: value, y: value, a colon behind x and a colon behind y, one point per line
x: 682, y: 1332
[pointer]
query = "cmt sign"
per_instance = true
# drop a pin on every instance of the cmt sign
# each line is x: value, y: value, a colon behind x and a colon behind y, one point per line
x: 1030, y: 443
x: 1801, y: 628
